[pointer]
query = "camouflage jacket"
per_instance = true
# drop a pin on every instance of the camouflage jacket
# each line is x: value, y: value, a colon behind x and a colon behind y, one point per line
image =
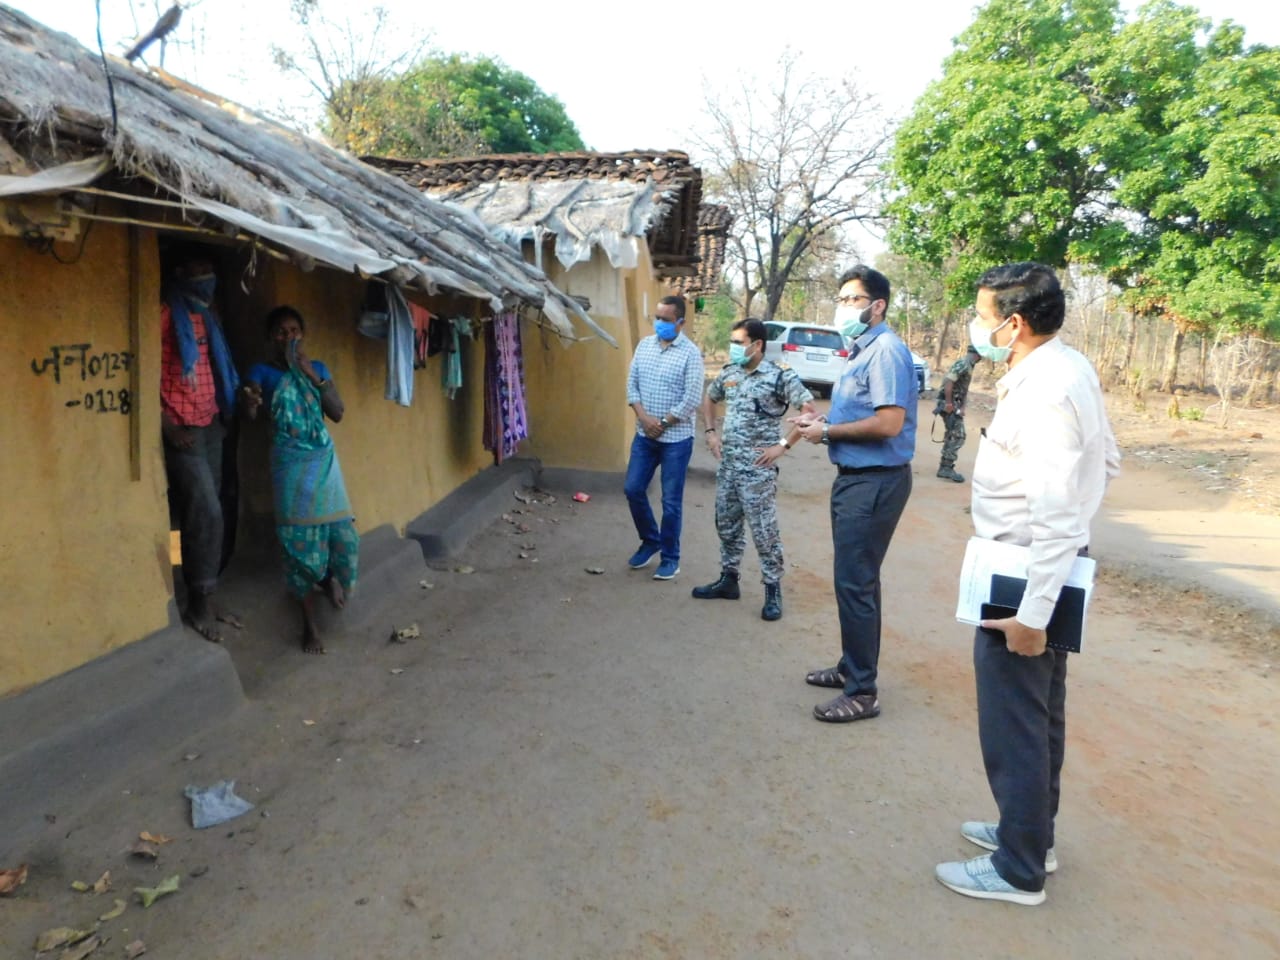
x: 758, y: 401
x: 959, y: 374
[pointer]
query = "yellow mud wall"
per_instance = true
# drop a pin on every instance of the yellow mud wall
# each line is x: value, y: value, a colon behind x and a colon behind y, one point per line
x: 577, y: 394
x: 84, y: 529
x: 397, y: 461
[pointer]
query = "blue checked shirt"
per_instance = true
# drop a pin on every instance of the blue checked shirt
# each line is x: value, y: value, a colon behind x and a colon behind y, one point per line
x: 667, y: 382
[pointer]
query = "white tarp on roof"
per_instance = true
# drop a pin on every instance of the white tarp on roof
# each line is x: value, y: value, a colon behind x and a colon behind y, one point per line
x: 582, y: 214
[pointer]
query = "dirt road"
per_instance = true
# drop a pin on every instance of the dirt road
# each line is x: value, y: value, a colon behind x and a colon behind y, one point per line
x: 578, y: 766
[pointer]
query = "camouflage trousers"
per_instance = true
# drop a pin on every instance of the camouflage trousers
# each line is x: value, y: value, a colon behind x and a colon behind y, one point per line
x: 747, y: 495
x: 953, y: 441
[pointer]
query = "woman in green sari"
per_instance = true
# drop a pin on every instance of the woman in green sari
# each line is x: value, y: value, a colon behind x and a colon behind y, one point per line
x: 318, y: 538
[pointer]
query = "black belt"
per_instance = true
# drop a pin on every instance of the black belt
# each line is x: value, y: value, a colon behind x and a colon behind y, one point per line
x: 852, y: 471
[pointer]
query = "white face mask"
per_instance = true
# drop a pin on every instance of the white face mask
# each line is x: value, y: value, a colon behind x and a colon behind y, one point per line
x: 851, y: 321
x: 981, y: 339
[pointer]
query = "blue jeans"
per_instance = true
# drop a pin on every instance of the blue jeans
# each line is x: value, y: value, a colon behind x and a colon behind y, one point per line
x: 646, y: 456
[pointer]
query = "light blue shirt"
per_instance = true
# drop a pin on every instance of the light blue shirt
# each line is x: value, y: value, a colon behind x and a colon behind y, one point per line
x: 667, y: 381
x: 879, y: 373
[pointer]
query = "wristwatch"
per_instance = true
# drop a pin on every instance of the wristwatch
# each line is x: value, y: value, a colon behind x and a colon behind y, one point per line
x: 826, y: 432
x: 785, y: 445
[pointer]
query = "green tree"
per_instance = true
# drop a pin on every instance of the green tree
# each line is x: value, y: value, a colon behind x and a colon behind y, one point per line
x: 381, y: 95
x: 1144, y: 150
x: 449, y: 105
x: 993, y: 164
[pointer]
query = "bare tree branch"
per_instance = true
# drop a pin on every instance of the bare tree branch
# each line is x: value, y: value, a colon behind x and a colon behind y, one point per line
x: 795, y: 159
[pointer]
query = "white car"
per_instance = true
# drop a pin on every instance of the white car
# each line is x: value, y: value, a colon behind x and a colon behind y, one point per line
x: 817, y: 354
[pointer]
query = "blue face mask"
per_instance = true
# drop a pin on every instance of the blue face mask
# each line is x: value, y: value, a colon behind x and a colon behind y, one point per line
x: 737, y: 353
x: 665, y: 329
x: 200, y: 289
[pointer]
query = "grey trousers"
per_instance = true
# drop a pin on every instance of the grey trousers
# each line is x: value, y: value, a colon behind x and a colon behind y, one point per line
x: 865, y: 508
x: 195, y: 482
x: 1022, y: 727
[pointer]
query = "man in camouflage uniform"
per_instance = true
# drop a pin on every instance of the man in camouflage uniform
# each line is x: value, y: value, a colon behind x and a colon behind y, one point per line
x: 759, y: 393
x: 950, y: 406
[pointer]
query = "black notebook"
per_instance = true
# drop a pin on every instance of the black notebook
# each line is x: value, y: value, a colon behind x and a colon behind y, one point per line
x: 1066, y: 626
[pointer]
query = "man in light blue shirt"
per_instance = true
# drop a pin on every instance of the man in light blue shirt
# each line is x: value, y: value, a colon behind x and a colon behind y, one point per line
x: 871, y: 432
x: 664, y: 388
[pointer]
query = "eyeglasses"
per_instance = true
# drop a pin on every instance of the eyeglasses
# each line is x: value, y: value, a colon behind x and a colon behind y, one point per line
x: 852, y: 301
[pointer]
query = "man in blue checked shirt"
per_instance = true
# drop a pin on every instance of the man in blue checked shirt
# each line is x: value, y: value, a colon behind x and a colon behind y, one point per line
x: 871, y: 433
x: 664, y: 389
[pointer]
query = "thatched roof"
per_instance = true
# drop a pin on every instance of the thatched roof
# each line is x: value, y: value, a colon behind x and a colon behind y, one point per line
x: 583, y: 200
x: 246, y: 173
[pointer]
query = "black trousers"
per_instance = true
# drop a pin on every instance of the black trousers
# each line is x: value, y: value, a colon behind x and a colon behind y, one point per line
x: 865, y: 509
x: 1022, y: 727
x: 195, y: 482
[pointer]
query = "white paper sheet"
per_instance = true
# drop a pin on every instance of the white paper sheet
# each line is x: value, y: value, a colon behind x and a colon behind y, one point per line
x: 985, y: 558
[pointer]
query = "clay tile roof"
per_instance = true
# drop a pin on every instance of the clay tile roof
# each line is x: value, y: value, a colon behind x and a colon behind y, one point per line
x: 635, y: 165
x: 714, y: 221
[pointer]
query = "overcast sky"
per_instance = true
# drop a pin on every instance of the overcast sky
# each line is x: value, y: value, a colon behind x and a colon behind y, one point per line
x: 630, y: 78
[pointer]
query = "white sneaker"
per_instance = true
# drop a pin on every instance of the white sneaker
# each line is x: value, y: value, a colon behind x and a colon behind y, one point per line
x: 984, y: 835
x: 978, y: 878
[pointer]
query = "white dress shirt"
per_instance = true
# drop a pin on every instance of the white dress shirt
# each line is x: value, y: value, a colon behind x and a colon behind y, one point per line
x: 1043, y: 466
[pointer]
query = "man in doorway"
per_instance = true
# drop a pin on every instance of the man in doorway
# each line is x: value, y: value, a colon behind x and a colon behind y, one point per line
x: 664, y: 387
x: 871, y: 434
x: 1042, y: 468
x: 198, y: 385
x: 951, y: 398
x: 759, y: 392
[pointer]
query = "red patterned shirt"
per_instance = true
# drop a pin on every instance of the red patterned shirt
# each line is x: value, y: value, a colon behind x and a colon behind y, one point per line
x: 187, y: 403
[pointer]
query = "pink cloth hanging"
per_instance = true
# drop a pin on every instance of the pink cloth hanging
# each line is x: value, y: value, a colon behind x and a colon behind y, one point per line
x: 506, y: 419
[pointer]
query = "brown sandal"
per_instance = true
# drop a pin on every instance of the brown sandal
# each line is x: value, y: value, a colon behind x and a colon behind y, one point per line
x: 846, y: 709
x: 829, y: 677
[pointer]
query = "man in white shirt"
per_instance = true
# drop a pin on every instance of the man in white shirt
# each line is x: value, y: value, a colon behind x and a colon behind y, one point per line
x: 1042, y: 468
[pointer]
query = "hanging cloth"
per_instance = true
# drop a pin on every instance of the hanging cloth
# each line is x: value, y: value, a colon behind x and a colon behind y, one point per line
x: 458, y: 327
x: 421, y: 324
x: 506, y: 419
x: 399, y: 348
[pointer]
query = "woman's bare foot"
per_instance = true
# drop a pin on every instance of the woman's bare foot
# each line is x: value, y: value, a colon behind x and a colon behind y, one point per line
x: 333, y: 589
x: 310, y: 633
x: 311, y: 640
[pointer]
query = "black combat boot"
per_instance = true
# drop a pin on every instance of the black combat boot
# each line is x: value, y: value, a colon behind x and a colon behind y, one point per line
x: 772, y: 609
x: 726, y: 588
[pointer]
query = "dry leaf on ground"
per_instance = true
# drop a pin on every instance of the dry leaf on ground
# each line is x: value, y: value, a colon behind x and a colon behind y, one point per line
x: 595, y: 570
x: 135, y: 949
x: 405, y: 634
x: 149, y: 895
x: 82, y: 949
x: 144, y: 849
x: 103, y: 883
x: 11, y: 880
x: 59, y: 937
x: 79, y: 886
x: 157, y: 838
x: 114, y: 912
